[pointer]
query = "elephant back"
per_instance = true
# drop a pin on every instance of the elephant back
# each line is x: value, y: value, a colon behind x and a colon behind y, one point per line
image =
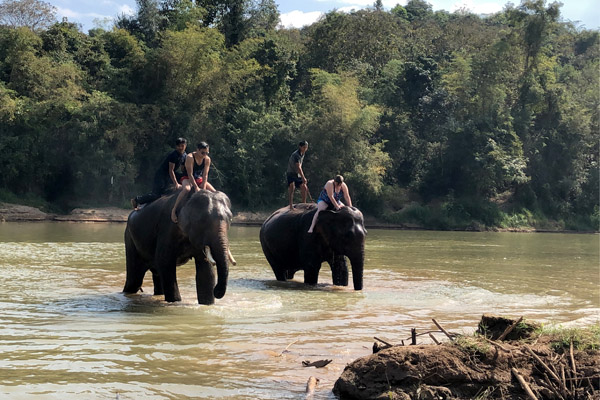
x: 292, y: 219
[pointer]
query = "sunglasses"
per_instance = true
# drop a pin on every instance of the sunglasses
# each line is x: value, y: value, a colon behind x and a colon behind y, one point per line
x: 204, y: 153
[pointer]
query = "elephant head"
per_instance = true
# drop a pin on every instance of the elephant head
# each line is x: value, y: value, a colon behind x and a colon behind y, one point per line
x: 204, y: 219
x: 344, y: 232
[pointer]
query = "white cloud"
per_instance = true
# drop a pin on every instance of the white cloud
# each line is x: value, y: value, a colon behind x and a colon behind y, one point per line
x: 479, y: 8
x: 125, y: 9
x: 298, y: 19
x: 349, y: 9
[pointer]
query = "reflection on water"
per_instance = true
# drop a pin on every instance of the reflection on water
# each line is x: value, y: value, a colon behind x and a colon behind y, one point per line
x: 66, y: 331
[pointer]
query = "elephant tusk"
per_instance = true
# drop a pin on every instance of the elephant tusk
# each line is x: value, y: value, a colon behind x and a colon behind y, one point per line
x: 230, y: 256
x: 209, y: 256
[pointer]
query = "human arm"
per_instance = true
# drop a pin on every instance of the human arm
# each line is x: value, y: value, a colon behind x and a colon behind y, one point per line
x: 205, y: 172
x: 329, y: 189
x: 172, y: 175
x: 346, y: 193
x: 300, y: 172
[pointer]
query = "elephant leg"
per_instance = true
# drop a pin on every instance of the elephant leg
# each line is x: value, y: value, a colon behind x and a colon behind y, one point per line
x: 158, y: 287
x: 166, y: 265
x: 311, y: 274
x: 135, y: 268
x: 205, y: 281
x: 339, y: 271
x: 279, y: 270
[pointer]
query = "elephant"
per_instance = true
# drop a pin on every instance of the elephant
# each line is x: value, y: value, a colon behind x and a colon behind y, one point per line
x: 153, y: 242
x: 289, y: 248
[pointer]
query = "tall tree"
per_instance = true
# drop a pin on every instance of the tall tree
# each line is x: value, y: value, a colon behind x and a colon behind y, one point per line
x: 33, y: 14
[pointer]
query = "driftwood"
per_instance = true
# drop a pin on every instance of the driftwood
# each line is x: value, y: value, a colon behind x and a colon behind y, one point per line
x: 383, y: 341
x: 549, y: 371
x: 433, y: 338
x: 316, y: 364
x: 524, y: 384
x: 442, y: 329
x: 286, y: 349
x: 495, y: 344
x: 572, y: 359
x: 509, y: 329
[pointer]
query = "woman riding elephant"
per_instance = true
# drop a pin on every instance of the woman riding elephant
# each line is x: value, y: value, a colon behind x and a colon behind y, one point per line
x: 334, y: 190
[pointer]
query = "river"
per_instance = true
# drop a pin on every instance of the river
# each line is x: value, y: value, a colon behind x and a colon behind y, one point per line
x: 66, y: 331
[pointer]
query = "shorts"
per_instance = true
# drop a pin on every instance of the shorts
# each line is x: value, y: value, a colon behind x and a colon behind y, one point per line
x: 294, y: 178
x: 198, y: 180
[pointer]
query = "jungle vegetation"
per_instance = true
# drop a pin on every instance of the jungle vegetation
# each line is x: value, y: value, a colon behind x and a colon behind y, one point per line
x: 447, y: 120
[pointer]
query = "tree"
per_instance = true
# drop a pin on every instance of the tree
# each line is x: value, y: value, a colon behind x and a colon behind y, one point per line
x: 264, y: 17
x: 418, y: 10
x: 378, y: 5
x: 33, y: 14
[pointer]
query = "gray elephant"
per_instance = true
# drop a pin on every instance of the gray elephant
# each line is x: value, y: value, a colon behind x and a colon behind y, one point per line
x: 153, y: 242
x: 289, y: 248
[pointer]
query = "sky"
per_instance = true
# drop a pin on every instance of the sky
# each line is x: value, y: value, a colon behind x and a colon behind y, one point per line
x: 101, y: 13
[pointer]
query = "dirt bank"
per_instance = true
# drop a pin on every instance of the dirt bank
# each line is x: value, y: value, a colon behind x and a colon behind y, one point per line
x: 475, y: 368
x: 19, y: 213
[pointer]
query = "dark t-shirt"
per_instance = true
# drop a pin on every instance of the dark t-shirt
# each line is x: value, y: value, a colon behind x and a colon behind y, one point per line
x: 163, y: 170
x: 295, y: 158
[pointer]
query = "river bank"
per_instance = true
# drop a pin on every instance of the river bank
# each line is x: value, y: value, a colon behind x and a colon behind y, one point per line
x: 505, y: 359
x: 21, y: 213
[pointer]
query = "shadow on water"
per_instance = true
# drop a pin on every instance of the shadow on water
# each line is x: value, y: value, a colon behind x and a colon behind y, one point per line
x: 287, y: 285
x: 107, y: 304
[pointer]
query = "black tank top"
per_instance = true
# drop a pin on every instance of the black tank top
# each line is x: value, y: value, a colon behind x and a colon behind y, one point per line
x: 198, y: 169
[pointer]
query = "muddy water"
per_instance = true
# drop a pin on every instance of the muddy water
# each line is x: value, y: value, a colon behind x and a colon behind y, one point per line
x: 67, y: 332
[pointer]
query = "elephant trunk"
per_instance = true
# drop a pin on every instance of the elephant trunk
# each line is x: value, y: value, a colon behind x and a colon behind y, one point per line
x: 358, y: 261
x: 220, y: 252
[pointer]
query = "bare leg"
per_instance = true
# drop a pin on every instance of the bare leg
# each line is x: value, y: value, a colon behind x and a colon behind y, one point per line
x: 291, y: 189
x: 184, y: 192
x: 320, y: 207
x: 210, y: 187
x: 304, y: 191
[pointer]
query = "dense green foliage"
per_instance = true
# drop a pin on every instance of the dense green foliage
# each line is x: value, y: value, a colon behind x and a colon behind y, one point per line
x: 442, y: 119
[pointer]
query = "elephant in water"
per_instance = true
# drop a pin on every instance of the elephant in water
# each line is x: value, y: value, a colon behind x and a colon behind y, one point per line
x: 289, y: 248
x: 153, y: 242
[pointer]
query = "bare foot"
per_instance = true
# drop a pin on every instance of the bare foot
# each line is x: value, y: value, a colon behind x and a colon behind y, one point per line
x: 174, y: 217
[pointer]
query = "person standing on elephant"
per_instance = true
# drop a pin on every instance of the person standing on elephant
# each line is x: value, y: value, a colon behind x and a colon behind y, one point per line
x: 330, y: 197
x: 295, y: 174
x: 167, y: 173
x: 197, y: 165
